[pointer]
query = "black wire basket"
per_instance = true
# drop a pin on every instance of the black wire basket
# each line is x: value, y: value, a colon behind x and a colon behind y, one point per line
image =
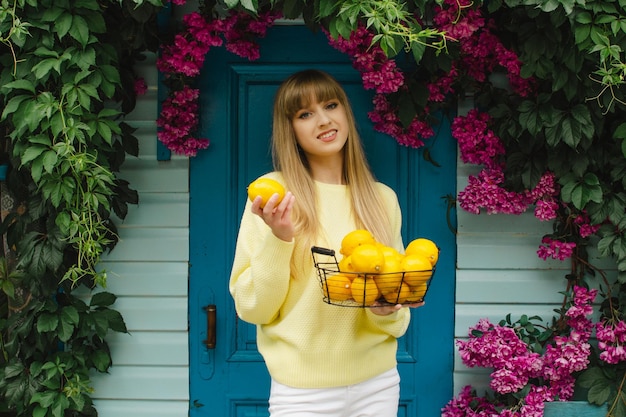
x: 353, y: 289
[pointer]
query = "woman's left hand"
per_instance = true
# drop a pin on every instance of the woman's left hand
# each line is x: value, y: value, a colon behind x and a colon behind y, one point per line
x: 389, y: 309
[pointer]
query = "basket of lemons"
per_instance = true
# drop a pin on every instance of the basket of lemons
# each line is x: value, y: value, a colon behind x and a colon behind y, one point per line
x: 369, y: 274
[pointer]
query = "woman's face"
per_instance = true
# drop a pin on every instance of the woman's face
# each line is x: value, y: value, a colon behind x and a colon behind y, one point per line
x: 321, y: 128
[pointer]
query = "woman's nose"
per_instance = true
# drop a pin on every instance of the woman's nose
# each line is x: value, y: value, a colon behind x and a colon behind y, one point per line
x: 324, y: 119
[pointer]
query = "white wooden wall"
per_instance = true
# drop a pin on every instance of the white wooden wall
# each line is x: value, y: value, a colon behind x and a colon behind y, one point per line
x: 148, y: 272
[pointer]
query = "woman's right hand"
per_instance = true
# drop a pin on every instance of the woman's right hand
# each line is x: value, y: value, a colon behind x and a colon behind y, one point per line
x: 277, y: 216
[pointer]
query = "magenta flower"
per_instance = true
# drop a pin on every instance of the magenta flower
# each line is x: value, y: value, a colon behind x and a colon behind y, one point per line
x: 546, y: 377
x: 183, y: 60
x: 140, y: 86
x: 555, y: 249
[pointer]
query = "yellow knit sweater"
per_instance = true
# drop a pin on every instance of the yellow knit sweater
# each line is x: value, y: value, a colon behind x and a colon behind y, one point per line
x: 305, y: 342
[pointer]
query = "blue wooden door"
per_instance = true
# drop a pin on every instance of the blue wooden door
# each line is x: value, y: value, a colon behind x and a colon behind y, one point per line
x: 230, y: 380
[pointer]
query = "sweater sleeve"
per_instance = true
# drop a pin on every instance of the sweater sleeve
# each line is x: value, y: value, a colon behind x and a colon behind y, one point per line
x: 260, y: 275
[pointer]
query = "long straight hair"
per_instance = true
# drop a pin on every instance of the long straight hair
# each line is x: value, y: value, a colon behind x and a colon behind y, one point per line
x: 294, y: 94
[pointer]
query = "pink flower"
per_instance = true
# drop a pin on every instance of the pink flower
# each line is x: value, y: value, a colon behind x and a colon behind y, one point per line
x: 478, y: 145
x: 517, y: 369
x: 555, y: 249
x: 140, y: 86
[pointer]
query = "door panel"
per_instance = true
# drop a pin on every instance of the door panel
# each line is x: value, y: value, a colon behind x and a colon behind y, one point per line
x: 231, y: 380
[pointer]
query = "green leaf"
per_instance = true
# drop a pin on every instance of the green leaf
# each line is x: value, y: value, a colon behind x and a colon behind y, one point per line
x: 327, y: 8
x: 69, y: 315
x: 13, y: 105
x: 116, y: 322
x: 65, y: 331
x: 39, y: 411
x: 21, y: 84
x: 50, y: 160
x: 79, y: 30
x: 101, y: 360
x: 47, y: 322
x: 32, y: 152
x: 44, y: 398
x: 102, y: 299
x: 62, y: 24
x: 13, y: 369
x: 599, y: 394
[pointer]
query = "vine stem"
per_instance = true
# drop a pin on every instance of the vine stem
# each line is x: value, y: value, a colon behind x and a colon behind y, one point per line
x: 618, y: 395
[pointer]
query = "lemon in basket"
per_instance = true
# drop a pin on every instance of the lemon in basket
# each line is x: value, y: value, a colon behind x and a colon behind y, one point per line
x: 367, y: 259
x: 389, y: 252
x: 424, y: 247
x: 417, y: 293
x: 338, y: 287
x: 266, y: 188
x: 390, y: 276
x: 345, y: 264
x: 399, y: 295
x: 417, y: 269
x: 364, y: 290
x: 354, y: 239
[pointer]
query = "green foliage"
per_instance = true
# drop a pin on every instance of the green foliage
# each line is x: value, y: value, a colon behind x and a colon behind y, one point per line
x: 66, y: 82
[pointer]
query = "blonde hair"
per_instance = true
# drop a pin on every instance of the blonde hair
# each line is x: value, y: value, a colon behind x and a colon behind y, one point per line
x: 294, y: 94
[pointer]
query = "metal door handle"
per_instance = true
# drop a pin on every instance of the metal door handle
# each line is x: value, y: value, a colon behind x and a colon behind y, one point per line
x: 211, y: 322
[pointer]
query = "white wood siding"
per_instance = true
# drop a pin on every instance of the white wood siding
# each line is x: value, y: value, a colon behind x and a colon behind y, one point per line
x: 148, y: 271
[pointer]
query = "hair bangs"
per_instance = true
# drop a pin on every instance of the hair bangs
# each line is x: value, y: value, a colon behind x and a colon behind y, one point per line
x: 308, y: 89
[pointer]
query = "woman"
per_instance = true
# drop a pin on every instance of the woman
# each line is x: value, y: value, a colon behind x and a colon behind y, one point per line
x: 324, y: 360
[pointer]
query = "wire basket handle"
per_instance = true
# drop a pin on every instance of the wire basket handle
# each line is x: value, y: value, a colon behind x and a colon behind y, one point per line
x: 322, y: 251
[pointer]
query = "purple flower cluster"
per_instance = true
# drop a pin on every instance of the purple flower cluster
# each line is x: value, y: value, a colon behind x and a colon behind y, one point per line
x: 555, y: 249
x: 611, y: 337
x: 183, y: 60
x: 547, y: 376
x: 481, y: 50
x: 185, y: 56
x: 480, y: 146
x: 140, y: 86
x: 486, y: 191
x: 378, y: 72
x: 386, y: 120
x: 585, y: 228
x: 477, y: 143
x: 178, y: 121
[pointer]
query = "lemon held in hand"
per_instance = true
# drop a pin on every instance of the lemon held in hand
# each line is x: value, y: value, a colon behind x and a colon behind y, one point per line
x: 266, y: 188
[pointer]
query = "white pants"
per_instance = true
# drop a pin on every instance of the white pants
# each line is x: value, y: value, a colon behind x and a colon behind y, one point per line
x: 376, y: 397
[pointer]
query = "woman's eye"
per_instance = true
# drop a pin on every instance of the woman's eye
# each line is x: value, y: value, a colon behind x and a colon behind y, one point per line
x: 303, y: 115
x: 332, y: 105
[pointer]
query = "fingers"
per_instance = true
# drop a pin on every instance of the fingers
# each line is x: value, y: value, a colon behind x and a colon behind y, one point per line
x: 277, y: 215
x: 415, y: 305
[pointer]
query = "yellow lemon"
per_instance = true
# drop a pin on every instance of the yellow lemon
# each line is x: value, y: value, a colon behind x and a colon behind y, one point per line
x: 399, y: 295
x: 425, y: 247
x: 266, y: 188
x: 356, y: 238
x: 417, y: 269
x: 367, y: 259
x: 390, y: 276
x: 389, y: 252
x: 416, y: 294
x: 364, y: 290
x: 345, y: 264
x: 338, y: 287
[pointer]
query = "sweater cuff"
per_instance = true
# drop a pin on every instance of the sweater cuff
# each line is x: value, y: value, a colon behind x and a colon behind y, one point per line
x: 394, y: 324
